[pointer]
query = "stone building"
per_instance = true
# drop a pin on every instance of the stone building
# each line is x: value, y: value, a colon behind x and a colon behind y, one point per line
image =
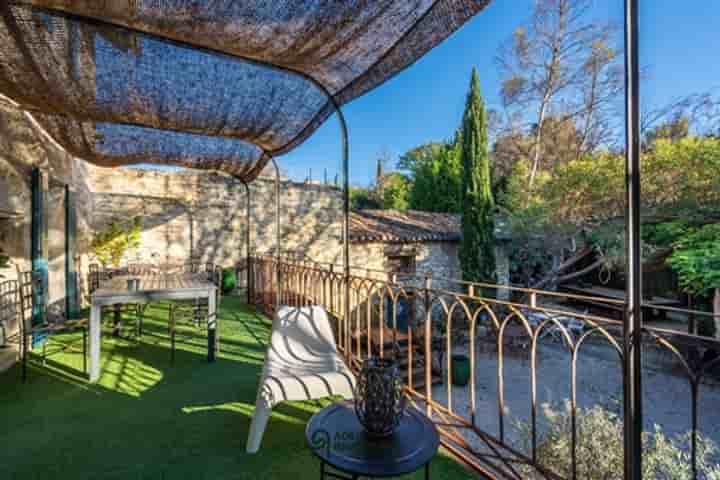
x: 410, y: 243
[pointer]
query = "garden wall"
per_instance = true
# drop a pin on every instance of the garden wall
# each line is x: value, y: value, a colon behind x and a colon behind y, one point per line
x: 192, y: 214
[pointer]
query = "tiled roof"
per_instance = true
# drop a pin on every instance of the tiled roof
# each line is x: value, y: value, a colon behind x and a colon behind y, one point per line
x: 403, y: 226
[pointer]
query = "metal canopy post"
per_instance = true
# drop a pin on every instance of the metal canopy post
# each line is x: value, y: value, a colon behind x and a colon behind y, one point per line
x: 71, y: 276
x: 39, y: 187
x: 346, y: 221
x: 632, y: 327
x: 278, y: 296
x: 248, y: 267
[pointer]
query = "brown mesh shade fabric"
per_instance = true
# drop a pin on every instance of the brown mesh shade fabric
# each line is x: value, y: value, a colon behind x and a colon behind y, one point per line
x: 255, y: 75
x: 114, y: 144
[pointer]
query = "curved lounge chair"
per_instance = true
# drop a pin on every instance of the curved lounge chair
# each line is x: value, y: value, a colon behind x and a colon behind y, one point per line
x: 302, y: 363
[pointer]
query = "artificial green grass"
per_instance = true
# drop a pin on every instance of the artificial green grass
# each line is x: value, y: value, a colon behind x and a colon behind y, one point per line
x: 148, y: 419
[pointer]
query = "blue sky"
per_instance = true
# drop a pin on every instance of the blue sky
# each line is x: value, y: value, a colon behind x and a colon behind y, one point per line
x: 424, y: 103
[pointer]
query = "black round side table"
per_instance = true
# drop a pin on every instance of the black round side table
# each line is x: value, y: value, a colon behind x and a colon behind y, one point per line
x: 337, y: 438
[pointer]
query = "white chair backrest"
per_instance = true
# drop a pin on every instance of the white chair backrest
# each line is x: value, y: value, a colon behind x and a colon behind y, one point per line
x: 302, y: 335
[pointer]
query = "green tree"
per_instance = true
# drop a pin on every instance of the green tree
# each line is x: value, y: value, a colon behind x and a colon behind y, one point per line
x: 477, y: 255
x: 435, y: 176
x: 362, y: 198
x: 560, y: 63
x: 378, y: 191
x: 396, y: 191
x: 676, y: 175
x: 696, y: 259
x: 449, y: 178
x: 674, y: 129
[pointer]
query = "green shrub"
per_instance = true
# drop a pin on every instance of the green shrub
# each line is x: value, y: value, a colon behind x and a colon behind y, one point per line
x: 696, y: 259
x: 110, y: 245
x: 600, y: 448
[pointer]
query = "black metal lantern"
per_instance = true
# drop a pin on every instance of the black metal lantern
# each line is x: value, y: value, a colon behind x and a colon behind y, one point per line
x: 379, y: 399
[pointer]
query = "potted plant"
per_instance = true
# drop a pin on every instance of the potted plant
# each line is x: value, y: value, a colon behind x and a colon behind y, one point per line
x: 459, y: 362
x: 460, y: 365
x: 4, y: 259
x: 229, y: 280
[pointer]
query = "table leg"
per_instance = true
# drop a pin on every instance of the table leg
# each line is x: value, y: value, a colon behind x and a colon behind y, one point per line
x: 117, y: 320
x: 212, y: 327
x: 322, y: 470
x: 94, y: 340
x: 427, y: 471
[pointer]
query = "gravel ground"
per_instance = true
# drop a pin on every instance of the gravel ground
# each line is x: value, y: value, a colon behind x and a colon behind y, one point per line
x: 599, y: 381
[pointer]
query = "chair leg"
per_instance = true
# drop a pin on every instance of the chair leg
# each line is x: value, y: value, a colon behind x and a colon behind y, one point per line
x: 84, y: 334
x: 172, y: 335
x: 172, y: 346
x: 141, y: 315
x: 257, y: 427
x: 24, y: 354
x: 44, y: 352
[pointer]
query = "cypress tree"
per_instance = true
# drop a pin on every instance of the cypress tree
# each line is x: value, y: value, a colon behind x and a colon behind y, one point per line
x: 477, y: 255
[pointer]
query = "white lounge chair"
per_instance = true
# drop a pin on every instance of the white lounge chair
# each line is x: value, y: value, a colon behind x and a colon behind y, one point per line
x: 302, y: 363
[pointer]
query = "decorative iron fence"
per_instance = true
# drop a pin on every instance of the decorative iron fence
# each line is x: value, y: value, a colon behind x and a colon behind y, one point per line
x: 504, y: 329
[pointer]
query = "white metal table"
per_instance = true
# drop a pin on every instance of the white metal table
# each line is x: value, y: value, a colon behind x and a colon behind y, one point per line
x: 150, y: 288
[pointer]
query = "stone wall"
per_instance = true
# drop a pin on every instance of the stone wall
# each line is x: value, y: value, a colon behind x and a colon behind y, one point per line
x: 23, y: 147
x: 438, y: 259
x: 191, y: 214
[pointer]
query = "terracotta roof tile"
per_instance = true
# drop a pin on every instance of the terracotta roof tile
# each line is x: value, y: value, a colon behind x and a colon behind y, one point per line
x: 403, y: 226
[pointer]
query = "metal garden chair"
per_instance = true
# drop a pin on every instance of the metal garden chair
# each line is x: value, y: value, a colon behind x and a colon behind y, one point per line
x: 37, y: 325
x: 135, y: 312
x: 192, y: 312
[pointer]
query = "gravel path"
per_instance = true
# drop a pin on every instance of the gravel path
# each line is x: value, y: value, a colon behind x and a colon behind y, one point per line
x: 666, y: 391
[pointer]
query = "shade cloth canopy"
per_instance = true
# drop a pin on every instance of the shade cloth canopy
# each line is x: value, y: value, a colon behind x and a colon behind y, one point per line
x: 218, y: 85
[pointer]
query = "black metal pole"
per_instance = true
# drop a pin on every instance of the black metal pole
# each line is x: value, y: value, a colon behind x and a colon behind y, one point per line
x: 346, y: 217
x: 632, y: 328
x: 247, y: 241
x: 278, y: 295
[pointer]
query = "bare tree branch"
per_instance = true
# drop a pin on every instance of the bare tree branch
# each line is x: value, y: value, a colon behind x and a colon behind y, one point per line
x: 560, y: 65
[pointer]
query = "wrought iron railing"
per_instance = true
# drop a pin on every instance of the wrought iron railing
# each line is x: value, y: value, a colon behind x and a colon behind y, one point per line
x: 504, y: 331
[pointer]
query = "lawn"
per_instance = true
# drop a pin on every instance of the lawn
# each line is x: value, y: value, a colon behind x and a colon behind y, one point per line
x: 148, y: 419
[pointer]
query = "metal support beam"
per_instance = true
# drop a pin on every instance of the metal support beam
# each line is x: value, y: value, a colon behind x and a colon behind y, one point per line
x: 278, y: 296
x: 248, y: 252
x: 39, y: 186
x: 632, y: 328
x: 71, y: 277
x: 346, y: 221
